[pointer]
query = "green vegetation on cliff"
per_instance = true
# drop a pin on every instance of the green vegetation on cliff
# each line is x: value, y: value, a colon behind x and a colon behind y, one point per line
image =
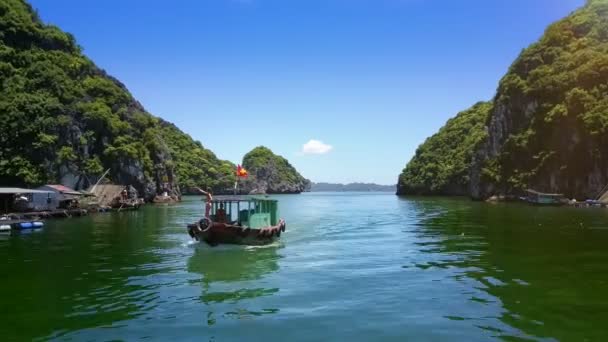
x: 194, y: 164
x: 546, y: 128
x: 550, y: 123
x: 270, y: 173
x: 65, y: 120
x: 441, y: 164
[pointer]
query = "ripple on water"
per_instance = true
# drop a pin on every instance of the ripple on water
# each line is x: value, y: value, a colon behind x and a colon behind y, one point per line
x: 361, y: 267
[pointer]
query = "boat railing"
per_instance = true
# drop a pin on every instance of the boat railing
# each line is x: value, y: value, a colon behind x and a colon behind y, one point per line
x: 251, y: 212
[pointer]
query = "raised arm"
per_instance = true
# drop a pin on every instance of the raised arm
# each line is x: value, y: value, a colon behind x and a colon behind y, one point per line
x: 206, y: 193
x: 201, y: 190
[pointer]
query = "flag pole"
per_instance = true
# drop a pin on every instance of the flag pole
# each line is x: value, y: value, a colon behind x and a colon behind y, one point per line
x: 236, y: 181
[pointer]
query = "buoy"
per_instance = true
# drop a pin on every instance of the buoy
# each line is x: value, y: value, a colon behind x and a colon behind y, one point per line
x: 5, y: 227
x: 37, y: 224
x: 26, y: 225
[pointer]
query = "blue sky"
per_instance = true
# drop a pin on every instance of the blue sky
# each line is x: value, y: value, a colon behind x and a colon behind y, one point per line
x: 370, y: 78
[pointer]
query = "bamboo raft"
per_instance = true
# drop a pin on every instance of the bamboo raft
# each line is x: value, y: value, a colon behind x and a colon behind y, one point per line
x: 59, y: 213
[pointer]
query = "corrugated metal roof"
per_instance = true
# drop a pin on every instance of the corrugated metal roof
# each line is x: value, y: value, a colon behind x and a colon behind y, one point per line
x: 60, y: 188
x: 22, y: 191
x: 63, y: 189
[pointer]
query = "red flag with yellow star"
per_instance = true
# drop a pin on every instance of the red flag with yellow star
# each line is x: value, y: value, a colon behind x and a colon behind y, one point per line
x: 241, y: 172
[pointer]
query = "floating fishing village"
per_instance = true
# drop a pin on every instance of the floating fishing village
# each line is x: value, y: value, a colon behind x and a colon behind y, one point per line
x: 27, y: 208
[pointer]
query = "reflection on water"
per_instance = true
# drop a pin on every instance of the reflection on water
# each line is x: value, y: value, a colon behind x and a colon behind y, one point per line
x: 233, y: 263
x: 237, y: 267
x: 350, y: 267
x: 542, y: 269
x: 73, y: 278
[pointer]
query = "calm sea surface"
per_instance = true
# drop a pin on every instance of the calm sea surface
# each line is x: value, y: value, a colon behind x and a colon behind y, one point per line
x: 350, y: 267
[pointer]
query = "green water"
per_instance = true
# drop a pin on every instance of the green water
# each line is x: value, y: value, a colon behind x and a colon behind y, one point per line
x: 350, y: 267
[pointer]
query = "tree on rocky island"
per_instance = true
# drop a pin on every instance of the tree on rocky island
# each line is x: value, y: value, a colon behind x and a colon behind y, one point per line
x: 272, y: 174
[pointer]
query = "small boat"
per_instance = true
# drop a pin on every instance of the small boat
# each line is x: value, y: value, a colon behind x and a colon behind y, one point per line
x: 165, y: 198
x: 241, y: 221
x: 127, y: 204
x: 540, y: 198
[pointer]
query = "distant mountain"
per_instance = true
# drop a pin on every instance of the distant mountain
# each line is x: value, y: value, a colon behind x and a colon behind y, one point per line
x: 318, y: 187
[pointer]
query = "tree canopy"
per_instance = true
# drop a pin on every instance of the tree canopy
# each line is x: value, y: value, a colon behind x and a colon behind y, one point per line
x: 546, y: 128
x: 272, y: 173
x: 441, y: 164
x: 62, y: 115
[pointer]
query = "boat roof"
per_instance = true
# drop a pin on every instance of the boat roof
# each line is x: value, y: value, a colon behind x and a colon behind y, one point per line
x: 242, y: 199
x: 543, y: 193
x: 62, y: 189
x: 22, y: 191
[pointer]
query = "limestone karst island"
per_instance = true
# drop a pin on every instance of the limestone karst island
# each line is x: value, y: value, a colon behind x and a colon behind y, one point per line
x: 317, y: 170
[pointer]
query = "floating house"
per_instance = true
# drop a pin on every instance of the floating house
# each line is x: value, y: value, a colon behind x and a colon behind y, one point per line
x: 603, y: 198
x: 58, y: 196
x: 19, y: 199
x: 108, y: 194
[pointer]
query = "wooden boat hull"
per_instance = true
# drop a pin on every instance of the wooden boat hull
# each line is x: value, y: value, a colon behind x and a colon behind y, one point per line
x: 215, y: 233
x: 126, y: 205
x: 165, y: 199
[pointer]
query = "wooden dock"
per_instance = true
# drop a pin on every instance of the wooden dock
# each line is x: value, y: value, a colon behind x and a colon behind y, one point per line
x: 60, y: 213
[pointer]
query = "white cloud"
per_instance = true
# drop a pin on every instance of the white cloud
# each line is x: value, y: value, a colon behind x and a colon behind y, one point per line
x: 316, y: 147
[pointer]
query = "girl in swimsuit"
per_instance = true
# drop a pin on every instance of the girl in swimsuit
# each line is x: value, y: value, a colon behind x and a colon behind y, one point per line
x: 209, y: 200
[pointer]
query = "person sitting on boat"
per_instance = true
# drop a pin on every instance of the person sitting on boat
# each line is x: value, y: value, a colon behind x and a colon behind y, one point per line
x: 209, y: 199
x: 220, y: 214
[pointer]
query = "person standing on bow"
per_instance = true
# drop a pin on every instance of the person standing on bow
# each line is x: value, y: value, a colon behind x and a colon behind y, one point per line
x: 209, y: 199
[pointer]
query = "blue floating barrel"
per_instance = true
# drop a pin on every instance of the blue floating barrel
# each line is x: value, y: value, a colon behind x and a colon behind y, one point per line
x: 26, y: 225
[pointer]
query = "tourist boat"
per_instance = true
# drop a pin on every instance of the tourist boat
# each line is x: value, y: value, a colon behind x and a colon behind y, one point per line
x: 126, y: 204
x: 241, y: 221
x: 540, y: 198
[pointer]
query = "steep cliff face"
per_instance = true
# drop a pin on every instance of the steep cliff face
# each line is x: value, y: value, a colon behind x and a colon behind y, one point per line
x: 271, y: 174
x: 548, y: 127
x: 441, y: 164
x: 194, y: 165
x: 62, y: 119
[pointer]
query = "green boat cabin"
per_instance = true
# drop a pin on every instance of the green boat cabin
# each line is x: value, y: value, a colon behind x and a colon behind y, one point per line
x: 247, y: 212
